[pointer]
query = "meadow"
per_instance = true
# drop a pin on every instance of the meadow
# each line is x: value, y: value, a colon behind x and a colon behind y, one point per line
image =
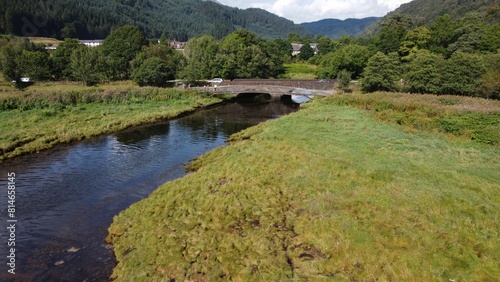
x: 44, y: 115
x: 391, y: 187
x: 300, y: 71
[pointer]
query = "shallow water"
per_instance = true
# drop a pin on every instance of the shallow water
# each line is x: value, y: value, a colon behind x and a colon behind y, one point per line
x: 66, y: 197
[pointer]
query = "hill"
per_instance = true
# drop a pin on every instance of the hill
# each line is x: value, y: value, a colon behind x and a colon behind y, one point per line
x: 334, y: 28
x: 177, y: 19
x: 425, y: 12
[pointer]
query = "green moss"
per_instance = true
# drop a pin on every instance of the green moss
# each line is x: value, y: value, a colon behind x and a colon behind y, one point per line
x: 327, y: 193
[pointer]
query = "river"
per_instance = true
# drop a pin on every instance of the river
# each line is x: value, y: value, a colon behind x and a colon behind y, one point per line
x: 66, y: 197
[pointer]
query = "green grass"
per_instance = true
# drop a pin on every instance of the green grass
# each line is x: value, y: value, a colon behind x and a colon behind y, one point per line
x: 331, y: 192
x: 300, y: 71
x: 43, y: 116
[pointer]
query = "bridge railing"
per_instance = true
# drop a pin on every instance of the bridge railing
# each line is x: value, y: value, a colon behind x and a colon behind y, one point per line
x: 303, y: 83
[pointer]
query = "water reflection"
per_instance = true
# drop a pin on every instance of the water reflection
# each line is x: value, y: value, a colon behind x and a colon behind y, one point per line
x: 66, y: 197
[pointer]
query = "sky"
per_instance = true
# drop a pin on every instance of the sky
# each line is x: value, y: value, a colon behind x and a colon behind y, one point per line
x: 301, y: 11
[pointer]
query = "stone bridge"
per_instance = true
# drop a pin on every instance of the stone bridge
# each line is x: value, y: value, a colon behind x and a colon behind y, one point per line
x: 277, y: 87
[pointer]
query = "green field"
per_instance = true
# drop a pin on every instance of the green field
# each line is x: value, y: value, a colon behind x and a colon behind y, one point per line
x: 45, y: 115
x: 300, y: 71
x: 350, y: 188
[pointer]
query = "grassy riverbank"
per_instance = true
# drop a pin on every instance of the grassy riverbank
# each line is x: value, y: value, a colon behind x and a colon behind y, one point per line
x: 45, y: 115
x: 354, y: 187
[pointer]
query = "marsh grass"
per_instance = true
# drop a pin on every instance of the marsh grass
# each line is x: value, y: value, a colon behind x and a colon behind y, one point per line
x: 44, y: 116
x: 466, y: 117
x: 327, y: 193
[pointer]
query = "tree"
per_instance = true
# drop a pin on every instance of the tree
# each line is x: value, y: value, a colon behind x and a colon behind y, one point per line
x: 325, y: 45
x: 462, y: 74
x: 422, y: 72
x: 442, y: 34
x: 415, y: 39
x: 153, y: 72
x: 84, y: 64
x: 243, y: 55
x: 61, y: 59
x: 469, y: 35
x: 381, y: 73
x: 352, y: 58
x: 490, y: 41
x: 393, y: 31
x: 306, y: 52
x: 344, y: 79
x: 122, y: 46
x: 156, y: 64
x: 490, y: 81
x: 36, y: 64
x: 11, y: 62
x: 201, y: 55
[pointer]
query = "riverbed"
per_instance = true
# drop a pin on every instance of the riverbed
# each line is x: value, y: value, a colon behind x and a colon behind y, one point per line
x: 66, y: 197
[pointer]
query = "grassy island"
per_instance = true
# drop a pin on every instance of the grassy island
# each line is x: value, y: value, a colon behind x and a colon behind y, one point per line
x: 48, y: 114
x: 355, y: 187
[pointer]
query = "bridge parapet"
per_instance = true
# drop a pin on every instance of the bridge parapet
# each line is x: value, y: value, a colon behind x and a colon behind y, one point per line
x: 303, y: 83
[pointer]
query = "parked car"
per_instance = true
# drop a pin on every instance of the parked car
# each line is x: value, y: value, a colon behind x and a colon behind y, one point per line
x: 215, y: 80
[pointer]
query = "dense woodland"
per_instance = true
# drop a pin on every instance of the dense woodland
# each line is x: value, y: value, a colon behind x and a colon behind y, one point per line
x: 447, y: 56
x: 334, y: 28
x: 177, y: 19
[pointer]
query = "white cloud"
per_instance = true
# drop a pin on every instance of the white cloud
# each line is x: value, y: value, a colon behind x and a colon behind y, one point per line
x: 313, y: 10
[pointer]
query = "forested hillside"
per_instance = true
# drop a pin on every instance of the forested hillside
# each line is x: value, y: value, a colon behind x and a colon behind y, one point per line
x: 334, y: 28
x: 425, y: 12
x: 177, y: 19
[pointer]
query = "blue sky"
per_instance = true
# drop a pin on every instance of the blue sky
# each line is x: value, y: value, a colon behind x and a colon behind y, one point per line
x: 301, y: 11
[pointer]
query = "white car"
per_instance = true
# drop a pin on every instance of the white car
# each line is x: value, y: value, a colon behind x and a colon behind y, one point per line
x: 215, y: 80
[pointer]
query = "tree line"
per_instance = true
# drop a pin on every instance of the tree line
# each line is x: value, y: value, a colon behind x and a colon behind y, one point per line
x: 447, y: 57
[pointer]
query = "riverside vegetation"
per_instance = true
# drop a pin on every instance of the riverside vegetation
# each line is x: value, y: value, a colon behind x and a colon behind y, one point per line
x: 44, y: 116
x: 384, y: 186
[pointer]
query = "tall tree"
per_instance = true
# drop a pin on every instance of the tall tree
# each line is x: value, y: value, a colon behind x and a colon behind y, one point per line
x: 201, y: 55
x: 243, y: 55
x: 156, y: 64
x: 381, y: 73
x: 61, y: 58
x: 11, y: 61
x: 393, y: 32
x: 352, y: 58
x: 443, y: 34
x: 490, y: 81
x: 462, y: 74
x: 36, y: 64
x: 85, y: 63
x: 153, y: 72
x: 469, y: 35
x: 122, y: 46
x: 423, y: 73
x: 415, y: 39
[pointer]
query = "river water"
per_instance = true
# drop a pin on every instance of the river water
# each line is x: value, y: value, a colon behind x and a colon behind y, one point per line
x: 66, y: 197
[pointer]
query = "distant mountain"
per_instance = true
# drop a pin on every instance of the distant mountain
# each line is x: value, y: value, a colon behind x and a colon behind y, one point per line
x: 425, y: 12
x: 334, y: 28
x: 177, y: 19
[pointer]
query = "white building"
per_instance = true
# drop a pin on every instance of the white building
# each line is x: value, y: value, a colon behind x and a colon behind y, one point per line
x: 91, y: 43
x: 296, y: 48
